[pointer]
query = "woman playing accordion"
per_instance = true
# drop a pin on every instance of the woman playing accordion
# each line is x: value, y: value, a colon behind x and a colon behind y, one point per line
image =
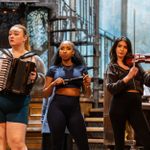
x: 24, y: 76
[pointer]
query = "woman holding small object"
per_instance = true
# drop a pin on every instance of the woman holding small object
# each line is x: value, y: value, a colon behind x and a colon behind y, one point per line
x: 64, y: 110
x: 14, y: 106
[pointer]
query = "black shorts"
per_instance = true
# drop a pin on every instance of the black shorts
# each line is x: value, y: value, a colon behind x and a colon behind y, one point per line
x: 14, y: 108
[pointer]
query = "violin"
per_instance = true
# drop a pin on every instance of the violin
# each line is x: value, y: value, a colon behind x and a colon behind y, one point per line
x: 138, y: 58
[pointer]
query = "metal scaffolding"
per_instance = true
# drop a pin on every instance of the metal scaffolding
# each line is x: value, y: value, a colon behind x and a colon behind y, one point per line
x: 75, y: 20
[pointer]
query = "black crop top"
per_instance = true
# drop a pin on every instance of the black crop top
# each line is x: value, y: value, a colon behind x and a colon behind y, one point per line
x: 68, y: 73
x: 115, y: 83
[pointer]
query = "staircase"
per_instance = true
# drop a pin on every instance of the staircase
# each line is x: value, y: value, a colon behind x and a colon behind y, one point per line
x: 95, y: 127
x: 33, y: 136
x: 95, y: 130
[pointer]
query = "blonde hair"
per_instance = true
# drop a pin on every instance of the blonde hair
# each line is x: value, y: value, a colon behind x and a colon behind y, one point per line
x: 24, y: 29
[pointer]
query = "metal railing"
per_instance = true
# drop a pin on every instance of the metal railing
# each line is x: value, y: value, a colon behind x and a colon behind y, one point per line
x: 75, y: 21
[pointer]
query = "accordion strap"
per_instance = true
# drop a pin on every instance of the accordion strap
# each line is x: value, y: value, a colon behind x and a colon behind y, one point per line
x: 7, y: 52
x: 27, y: 55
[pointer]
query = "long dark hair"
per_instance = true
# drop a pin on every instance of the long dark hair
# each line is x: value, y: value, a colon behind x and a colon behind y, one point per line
x: 113, y: 55
x: 77, y: 59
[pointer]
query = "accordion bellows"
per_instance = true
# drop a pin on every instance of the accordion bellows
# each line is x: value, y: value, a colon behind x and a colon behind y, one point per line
x: 14, y: 73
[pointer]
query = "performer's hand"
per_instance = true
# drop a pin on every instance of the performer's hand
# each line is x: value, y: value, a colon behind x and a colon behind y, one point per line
x: 86, y: 80
x: 132, y: 73
x: 58, y: 81
x: 33, y: 76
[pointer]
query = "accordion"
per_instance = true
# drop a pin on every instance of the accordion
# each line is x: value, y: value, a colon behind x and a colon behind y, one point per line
x: 14, y: 73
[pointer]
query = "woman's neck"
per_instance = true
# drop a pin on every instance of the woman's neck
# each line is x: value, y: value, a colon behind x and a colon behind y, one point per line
x: 121, y: 64
x: 18, y: 51
x: 67, y: 63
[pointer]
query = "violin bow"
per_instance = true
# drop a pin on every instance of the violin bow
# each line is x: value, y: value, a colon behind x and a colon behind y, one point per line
x: 134, y: 43
x: 134, y: 13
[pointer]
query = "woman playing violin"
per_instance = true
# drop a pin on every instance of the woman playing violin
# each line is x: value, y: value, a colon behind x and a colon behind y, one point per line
x: 126, y: 85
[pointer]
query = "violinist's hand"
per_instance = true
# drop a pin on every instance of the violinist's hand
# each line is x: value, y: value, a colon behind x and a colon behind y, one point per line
x: 86, y: 80
x: 132, y: 73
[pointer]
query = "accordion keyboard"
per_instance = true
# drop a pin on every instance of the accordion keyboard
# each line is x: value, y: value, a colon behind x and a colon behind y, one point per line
x: 5, y: 65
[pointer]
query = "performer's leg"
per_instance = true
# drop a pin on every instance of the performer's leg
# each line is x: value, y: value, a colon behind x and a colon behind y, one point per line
x: 77, y: 128
x: 118, y: 120
x: 16, y: 127
x: 68, y: 144
x: 57, y: 125
x: 118, y: 126
x: 16, y: 133
x: 46, y: 141
x: 2, y: 136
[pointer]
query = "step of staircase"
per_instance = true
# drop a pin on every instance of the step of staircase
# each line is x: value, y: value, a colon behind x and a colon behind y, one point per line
x: 33, y: 129
x: 33, y: 136
x: 96, y: 112
x: 34, y: 126
x: 95, y: 132
x: 100, y: 102
x: 34, y: 123
x: 96, y: 141
x: 94, y: 121
x: 94, y: 129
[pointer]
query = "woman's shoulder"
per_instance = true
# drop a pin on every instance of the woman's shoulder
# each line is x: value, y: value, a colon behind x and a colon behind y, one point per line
x: 38, y: 60
x: 53, y: 68
x: 6, y: 53
x: 37, y: 57
x: 80, y: 66
x: 112, y: 67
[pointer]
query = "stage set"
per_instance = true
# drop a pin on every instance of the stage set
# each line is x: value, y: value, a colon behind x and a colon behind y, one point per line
x: 51, y: 21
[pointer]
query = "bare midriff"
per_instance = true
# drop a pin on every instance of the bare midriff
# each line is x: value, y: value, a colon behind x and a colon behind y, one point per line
x: 133, y: 91
x: 68, y: 91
